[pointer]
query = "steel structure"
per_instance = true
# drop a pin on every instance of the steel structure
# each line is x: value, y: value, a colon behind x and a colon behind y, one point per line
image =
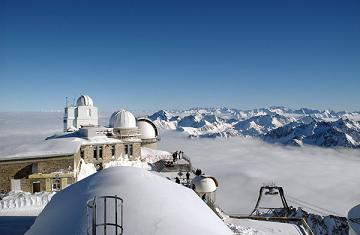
x: 115, y: 227
x: 271, y: 190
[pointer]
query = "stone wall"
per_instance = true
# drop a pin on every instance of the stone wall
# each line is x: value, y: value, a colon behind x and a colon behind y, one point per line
x: 7, y: 172
x: 50, y: 166
x: 10, y: 170
x: 121, y: 133
x: 88, y: 152
x: 22, y: 169
x: 136, y: 151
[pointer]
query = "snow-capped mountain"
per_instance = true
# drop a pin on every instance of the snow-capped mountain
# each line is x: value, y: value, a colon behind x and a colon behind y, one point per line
x: 343, y: 132
x: 276, y: 124
x: 261, y: 124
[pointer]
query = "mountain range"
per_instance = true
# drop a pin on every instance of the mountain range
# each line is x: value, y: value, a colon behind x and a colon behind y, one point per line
x: 325, y: 128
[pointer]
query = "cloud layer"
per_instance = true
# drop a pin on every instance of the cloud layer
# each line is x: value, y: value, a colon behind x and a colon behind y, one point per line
x: 324, y: 180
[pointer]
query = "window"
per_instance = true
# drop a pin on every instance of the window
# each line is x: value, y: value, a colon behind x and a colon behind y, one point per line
x: 34, y: 168
x: 56, y: 184
x: 95, y: 152
x: 129, y: 149
x: 112, y: 150
x: 36, y: 186
x: 100, y: 152
x: 82, y: 153
x: 89, y: 112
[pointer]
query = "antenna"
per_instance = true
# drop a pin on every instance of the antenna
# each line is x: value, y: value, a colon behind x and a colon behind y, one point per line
x: 66, y: 102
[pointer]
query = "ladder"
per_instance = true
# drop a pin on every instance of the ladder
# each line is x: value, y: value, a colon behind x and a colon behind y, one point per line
x: 103, y: 215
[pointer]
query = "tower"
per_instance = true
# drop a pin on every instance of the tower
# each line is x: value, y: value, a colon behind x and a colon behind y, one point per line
x: 83, y: 114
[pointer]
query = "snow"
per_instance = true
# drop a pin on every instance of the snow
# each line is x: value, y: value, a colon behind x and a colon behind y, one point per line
x: 153, y: 155
x: 152, y: 205
x: 59, y: 145
x: 247, y: 226
x: 46, y: 148
x: 24, y: 203
x: 15, y: 225
x: 271, y: 124
x: 86, y: 169
x: 124, y: 161
x: 243, y: 165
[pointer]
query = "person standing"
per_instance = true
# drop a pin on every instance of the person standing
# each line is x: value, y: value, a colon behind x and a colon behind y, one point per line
x: 188, y: 176
x: 177, y: 180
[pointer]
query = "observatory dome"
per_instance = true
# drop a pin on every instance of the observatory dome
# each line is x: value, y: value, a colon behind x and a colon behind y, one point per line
x: 84, y: 100
x: 353, y: 215
x: 122, y: 119
x: 147, y: 129
x: 204, y: 184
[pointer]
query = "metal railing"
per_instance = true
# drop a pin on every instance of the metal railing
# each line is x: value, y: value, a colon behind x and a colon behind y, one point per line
x: 115, y: 227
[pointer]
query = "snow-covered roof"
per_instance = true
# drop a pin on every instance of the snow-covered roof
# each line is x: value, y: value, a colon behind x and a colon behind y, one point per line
x: 158, y: 205
x: 62, y: 145
x: 84, y: 100
x: 122, y: 119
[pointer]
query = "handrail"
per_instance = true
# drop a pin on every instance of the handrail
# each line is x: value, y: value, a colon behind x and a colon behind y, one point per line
x: 91, y: 204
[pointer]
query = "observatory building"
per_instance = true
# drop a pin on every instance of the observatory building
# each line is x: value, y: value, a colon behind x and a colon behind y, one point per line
x: 56, y: 162
x: 83, y: 114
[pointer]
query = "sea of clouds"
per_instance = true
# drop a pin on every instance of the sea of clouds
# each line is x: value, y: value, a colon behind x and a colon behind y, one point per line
x: 324, y: 180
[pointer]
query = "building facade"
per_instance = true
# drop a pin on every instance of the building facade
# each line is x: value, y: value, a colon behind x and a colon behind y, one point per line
x: 57, y: 166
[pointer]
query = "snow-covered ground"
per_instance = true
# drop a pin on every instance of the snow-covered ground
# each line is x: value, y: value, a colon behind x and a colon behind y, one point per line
x: 251, y: 227
x: 24, y: 203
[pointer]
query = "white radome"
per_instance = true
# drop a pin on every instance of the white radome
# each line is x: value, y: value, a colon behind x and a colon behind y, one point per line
x: 204, y: 184
x: 84, y: 100
x: 147, y: 131
x: 354, y: 226
x: 122, y: 119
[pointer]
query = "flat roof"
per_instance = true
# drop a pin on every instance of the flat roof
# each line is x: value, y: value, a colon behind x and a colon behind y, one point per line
x: 55, y: 146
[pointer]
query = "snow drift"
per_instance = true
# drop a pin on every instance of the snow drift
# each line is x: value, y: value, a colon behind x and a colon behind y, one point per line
x: 152, y: 205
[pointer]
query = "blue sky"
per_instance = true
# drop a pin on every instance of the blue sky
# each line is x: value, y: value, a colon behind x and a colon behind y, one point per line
x: 180, y: 54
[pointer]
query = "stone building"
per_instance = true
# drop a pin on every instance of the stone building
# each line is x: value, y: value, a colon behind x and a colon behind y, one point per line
x: 55, y: 163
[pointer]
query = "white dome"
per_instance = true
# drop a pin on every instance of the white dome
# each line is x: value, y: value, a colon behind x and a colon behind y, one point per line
x: 122, y: 119
x: 147, y: 129
x: 204, y: 184
x: 84, y: 100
